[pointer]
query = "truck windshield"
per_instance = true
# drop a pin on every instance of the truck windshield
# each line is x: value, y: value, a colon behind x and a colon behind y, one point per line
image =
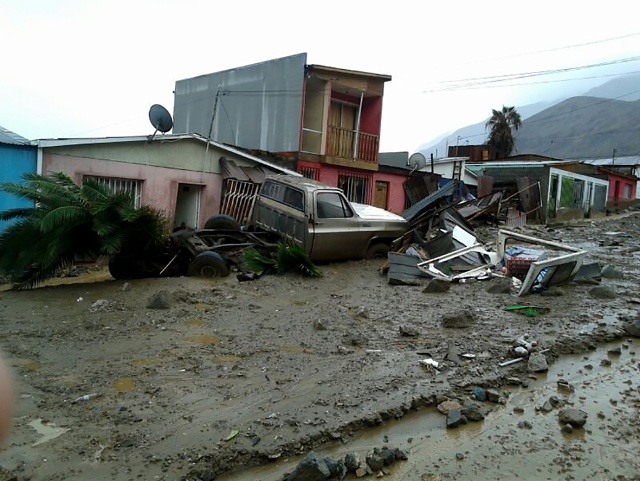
x: 331, y: 205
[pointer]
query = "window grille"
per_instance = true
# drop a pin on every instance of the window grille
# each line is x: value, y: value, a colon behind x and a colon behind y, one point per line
x: 356, y: 187
x: 310, y: 173
x: 118, y: 185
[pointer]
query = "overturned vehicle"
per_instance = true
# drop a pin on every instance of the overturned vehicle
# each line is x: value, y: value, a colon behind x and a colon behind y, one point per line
x: 317, y: 217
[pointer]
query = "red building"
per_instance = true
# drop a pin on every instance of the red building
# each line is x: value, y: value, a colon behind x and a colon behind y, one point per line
x: 323, y: 122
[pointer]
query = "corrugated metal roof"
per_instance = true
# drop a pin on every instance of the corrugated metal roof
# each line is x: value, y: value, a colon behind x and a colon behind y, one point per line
x: 231, y: 170
x: 8, y: 137
x: 44, y: 143
x: 627, y: 160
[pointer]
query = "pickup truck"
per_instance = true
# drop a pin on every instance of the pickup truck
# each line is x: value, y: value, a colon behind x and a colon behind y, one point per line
x: 318, y: 217
x: 323, y: 221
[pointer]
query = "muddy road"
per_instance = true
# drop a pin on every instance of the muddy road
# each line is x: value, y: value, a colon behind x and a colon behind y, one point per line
x: 197, y: 379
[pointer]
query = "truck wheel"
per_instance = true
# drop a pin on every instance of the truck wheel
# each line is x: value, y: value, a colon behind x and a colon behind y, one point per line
x: 377, y: 251
x: 222, y: 222
x: 208, y: 264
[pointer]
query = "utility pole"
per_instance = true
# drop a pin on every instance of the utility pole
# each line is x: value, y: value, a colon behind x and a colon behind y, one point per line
x: 613, y: 158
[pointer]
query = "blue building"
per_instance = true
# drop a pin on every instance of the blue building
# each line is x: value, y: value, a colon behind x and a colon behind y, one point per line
x: 17, y: 157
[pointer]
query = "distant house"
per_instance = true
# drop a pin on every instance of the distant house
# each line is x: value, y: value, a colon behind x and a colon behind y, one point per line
x: 322, y: 121
x: 187, y: 177
x: 628, y: 165
x: 17, y: 157
x: 549, y: 190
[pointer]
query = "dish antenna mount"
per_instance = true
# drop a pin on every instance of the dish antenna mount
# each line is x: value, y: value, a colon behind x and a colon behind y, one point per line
x: 417, y: 161
x: 160, y: 118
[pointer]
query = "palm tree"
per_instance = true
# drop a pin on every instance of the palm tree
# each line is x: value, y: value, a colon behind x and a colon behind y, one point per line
x: 501, y: 126
x: 69, y: 222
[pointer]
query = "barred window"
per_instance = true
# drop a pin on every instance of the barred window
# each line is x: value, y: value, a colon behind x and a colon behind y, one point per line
x: 310, y: 173
x: 118, y: 185
x: 355, y: 187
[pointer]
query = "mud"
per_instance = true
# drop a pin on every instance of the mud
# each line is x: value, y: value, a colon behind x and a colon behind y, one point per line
x: 238, y: 374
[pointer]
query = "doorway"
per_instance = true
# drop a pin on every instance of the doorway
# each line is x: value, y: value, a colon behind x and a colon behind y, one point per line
x: 187, y: 206
x: 381, y: 194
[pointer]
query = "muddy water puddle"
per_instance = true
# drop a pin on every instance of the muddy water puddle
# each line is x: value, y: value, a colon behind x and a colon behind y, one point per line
x: 518, y: 440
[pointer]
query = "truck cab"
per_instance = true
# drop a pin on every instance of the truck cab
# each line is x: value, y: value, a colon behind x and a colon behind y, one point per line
x: 323, y: 221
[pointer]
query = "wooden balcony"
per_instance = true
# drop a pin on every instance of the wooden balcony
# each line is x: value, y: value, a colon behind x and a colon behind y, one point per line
x: 341, y: 144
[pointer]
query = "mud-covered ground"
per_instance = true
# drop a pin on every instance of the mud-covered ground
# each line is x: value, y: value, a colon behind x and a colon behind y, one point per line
x: 199, y: 378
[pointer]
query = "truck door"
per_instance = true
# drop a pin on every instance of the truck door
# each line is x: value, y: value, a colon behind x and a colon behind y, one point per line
x: 334, y: 228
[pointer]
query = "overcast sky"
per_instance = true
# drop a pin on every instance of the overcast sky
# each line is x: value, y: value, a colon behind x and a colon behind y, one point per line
x: 92, y: 68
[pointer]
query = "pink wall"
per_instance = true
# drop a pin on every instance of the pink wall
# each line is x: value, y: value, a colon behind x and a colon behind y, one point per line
x: 395, y: 194
x: 160, y: 184
x: 623, y: 183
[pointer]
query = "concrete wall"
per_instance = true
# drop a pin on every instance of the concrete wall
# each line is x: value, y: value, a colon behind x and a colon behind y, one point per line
x: 159, y: 184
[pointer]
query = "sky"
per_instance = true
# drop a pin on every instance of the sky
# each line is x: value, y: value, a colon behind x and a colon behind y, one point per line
x: 93, y: 68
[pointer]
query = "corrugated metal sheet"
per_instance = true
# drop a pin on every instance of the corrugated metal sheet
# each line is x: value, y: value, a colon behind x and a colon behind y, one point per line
x: 231, y: 170
x: 11, y: 138
x: 256, y: 106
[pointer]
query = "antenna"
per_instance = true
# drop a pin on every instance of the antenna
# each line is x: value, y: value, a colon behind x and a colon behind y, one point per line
x: 160, y: 118
x: 417, y: 161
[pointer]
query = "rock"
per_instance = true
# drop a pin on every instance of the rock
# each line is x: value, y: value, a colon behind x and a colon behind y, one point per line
x: 602, y: 292
x: 472, y: 414
x: 126, y: 287
x: 610, y: 272
x: 455, y: 418
x: 388, y: 456
x: 633, y: 328
x: 311, y: 468
x: 554, y: 401
x: 446, y: 406
x: 499, y: 285
x: 436, y: 286
x: 458, y: 321
x: 351, y: 462
x: 525, y: 425
x: 615, y: 351
x: 400, y: 454
x: 99, y: 305
x: 546, y: 407
x: 319, y: 325
x: 493, y: 395
x: 375, y: 462
x: 160, y: 300
x: 537, y: 363
x: 567, y: 428
x: 459, y: 456
x: 362, y: 471
x: 408, y: 331
x: 605, y: 362
x: 337, y: 469
x: 575, y: 417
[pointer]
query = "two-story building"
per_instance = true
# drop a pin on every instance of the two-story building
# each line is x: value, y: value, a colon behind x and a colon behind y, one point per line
x: 324, y: 122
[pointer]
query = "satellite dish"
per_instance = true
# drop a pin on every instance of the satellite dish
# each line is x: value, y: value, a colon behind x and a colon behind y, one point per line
x: 417, y: 161
x: 160, y: 118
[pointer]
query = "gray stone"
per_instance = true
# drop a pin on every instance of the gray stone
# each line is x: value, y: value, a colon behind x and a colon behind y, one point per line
x: 311, y: 468
x: 633, y: 328
x: 446, y: 406
x: 375, y: 462
x: 499, y: 285
x: 408, y: 331
x: 400, y: 454
x: 602, y: 292
x: 460, y: 320
x: 435, y: 286
x: 160, y: 300
x: 537, y: 363
x: 472, y: 414
x: 351, y: 462
x: 575, y: 417
x: 493, y: 395
x: 610, y: 272
x: 455, y: 418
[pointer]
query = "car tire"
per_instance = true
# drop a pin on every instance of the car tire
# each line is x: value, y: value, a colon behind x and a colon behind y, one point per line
x: 208, y: 264
x: 377, y: 251
x: 222, y: 222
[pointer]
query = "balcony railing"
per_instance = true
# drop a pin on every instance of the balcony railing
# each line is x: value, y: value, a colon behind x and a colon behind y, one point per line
x: 341, y: 143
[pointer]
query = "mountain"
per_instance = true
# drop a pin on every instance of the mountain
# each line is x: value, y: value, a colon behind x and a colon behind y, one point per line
x: 588, y: 125
x: 582, y: 127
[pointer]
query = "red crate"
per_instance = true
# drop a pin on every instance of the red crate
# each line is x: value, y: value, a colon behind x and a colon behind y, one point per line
x: 519, y: 266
